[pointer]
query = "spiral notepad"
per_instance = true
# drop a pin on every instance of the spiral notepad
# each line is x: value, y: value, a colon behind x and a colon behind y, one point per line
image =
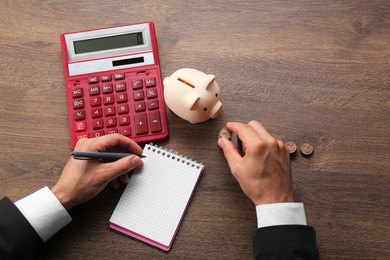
x: 154, y: 202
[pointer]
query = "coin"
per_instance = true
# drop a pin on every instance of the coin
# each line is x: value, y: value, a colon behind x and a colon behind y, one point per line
x: 291, y: 146
x: 226, y: 133
x: 306, y: 149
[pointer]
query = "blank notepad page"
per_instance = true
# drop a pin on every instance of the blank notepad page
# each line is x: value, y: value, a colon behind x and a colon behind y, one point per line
x: 155, y: 199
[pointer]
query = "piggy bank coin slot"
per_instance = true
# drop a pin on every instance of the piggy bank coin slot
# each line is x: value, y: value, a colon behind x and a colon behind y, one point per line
x: 186, y: 82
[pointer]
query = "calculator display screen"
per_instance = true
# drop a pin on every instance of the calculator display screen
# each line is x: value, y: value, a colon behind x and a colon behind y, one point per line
x: 108, y: 43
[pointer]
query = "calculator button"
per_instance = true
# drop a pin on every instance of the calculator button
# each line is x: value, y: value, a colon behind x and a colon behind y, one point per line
x: 96, y: 112
x: 138, y: 95
x: 123, y: 109
x: 119, y: 76
x: 111, y: 122
x: 81, y: 136
x: 126, y: 131
x: 155, y: 122
x: 109, y: 111
x: 140, y: 106
x: 151, y: 93
x: 151, y: 82
x: 141, y: 123
x: 137, y: 84
x: 97, y: 124
x: 97, y: 133
x: 124, y: 120
x: 94, y: 90
x: 128, y: 103
x: 107, y: 88
x: 78, y: 103
x: 152, y: 104
x: 95, y: 101
x: 93, y: 80
x: 120, y: 98
x: 105, y: 78
x: 120, y: 86
x: 109, y: 99
x: 79, y: 115
x: 81, y: 126
x: 78, y: 92
x: 112, y: 131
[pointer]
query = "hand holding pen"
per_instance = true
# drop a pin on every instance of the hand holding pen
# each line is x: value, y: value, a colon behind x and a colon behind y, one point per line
x: 82, y: 180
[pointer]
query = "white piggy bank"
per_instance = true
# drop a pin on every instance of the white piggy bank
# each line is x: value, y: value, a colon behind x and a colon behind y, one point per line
x: 193, y: 95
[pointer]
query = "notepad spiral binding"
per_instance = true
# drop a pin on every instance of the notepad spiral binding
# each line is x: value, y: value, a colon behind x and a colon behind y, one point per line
x: 174, y: 155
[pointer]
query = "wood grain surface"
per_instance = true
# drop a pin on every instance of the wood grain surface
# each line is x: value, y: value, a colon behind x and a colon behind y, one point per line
x: 310, y: 71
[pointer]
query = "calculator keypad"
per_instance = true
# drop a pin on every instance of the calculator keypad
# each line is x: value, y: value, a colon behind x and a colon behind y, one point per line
x: 125, y: 103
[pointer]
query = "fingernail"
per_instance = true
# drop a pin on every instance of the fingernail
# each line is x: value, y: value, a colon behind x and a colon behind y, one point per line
x: 137, y: 162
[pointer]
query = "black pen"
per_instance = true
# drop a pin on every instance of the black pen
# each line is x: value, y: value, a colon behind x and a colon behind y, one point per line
x: 105, y: 156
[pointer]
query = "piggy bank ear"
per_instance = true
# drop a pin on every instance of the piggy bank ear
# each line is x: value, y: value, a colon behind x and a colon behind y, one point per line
x: 207, y: 80
x: 191, y: 100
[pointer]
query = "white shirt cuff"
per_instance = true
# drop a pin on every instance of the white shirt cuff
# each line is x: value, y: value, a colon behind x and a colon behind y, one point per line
x: 276, y: 214
x: 44, y: 212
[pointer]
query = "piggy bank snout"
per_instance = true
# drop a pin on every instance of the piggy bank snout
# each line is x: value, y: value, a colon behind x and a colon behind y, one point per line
x: 216, y: 110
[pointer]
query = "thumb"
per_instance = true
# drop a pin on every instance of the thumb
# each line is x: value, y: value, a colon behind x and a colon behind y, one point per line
x: 122, y: 166
x: 232, y: 156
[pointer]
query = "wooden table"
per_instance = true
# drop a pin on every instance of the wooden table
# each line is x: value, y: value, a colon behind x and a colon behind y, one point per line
x: 310, y: 71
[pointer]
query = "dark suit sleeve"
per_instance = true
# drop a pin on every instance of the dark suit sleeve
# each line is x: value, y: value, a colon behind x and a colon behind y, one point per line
x: 18, y: 239
x: 285, y: 242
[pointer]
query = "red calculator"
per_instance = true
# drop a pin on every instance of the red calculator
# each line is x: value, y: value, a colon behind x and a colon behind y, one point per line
x: 113, y: 83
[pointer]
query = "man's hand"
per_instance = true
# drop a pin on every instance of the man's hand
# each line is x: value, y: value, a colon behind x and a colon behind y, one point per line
x: 82, y: 180
x: 264, y: 172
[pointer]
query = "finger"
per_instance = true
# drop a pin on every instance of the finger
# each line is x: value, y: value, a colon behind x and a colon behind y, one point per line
x: 115, y: 183
x: 281, y: 145
x: 261, y: 131
x: 124, y: 178
x: 231, y: 154
x: 272, y: 143
x: 244, y: 132
x: 252, y: 142
x: 115, y: 169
